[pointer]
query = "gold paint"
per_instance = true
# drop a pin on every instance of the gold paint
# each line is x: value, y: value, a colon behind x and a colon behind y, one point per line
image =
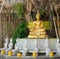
x: 51, y: 54
x: 19, y: 55
x: 10, y: 53
x: 34, y: 54
x: 2, y: 52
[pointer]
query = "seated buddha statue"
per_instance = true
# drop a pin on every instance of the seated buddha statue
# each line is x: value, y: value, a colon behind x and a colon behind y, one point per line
x: 38, y: 30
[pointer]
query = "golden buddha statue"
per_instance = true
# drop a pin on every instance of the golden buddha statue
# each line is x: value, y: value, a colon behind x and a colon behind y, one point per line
x: 38, y: 30
x: 38, y: 23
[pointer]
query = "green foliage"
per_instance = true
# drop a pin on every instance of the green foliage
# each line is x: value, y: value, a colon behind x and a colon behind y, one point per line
x: 47, y: 25
x: 42, y: 11
x: 21, y: 31
x: 19, y: 8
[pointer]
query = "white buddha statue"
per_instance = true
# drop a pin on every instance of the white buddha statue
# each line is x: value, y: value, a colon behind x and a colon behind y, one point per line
x: 25, y: 50
x: 36, y: 46
x: 58, y: 46
x: 5, y: 44
x: 10, y: 46
x: 47, y: 47
x: 16, y: 48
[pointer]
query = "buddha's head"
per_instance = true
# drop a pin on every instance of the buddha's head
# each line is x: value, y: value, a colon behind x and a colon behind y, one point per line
x: 38, y: 15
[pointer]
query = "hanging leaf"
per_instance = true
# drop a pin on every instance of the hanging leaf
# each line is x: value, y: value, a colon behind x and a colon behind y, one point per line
x: 19, y: 8
x: 21, y: 31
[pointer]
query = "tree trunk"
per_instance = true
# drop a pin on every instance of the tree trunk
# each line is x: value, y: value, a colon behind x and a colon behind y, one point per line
x: 31, y: 4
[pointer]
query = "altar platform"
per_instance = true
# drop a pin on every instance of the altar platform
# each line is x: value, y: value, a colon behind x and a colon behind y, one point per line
x: 29, y: 57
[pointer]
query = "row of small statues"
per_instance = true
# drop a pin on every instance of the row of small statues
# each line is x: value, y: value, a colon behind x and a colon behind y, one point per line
x: 9, y: 47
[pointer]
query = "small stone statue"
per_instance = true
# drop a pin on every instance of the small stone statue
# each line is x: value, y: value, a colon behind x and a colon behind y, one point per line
x: 36, y: 47
x: 47, y: 47
x: 16, y: 45
x: 16, y: 48
x: 5, y: 44
x: 10, y: 46
x: 58, y: 46
x: 25, y: 50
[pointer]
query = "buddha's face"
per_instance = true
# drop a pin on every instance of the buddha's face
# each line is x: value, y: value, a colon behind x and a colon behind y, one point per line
x: 38, y: 16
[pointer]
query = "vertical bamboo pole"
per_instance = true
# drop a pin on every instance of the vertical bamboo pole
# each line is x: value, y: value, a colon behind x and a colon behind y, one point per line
x: 56, y: 10
x: 54, y: 20
x: 0, y: 30
x: 58, y: 24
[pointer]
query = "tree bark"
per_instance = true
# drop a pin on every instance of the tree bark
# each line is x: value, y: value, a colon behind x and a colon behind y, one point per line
x: 31, y: 4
